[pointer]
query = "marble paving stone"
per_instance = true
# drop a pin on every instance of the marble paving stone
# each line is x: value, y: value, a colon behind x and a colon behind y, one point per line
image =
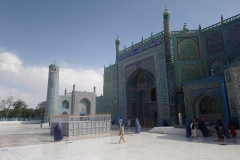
x: 143, y: 146
x: 138, y: 146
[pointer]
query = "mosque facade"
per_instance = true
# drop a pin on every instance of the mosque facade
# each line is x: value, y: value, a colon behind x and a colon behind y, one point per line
x: 73, y: 103
x: 192, y: 72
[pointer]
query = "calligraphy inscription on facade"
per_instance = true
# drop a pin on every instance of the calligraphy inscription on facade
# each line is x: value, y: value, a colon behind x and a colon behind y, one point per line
x: 140, y: 49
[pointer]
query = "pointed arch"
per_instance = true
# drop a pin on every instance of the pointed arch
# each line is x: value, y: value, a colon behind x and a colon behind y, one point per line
x: 208, y: 106
x: 65, y: 113
x: 141, y: 95
x: 190, y: 72
x: 65, y: 104
x: 84, y: 106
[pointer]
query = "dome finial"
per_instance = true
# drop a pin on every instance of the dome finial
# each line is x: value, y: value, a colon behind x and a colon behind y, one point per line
x: 117, y: 41
x: 166, y: 14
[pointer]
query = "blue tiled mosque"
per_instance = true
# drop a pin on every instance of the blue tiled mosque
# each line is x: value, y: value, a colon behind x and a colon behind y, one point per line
x: 192, y: 72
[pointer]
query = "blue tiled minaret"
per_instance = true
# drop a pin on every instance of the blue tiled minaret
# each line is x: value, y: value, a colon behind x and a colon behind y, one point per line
x: 52, y: 92
x: 169, y: 58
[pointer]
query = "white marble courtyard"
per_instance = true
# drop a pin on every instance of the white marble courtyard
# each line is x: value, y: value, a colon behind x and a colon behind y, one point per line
x: 30, y: 142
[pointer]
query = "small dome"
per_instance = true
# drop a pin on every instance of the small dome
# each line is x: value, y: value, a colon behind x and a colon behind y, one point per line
x: 166, y: 12
x: 53, y: 65
x: 117, y: 41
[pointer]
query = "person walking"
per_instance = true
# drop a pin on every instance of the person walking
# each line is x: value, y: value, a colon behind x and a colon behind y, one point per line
x: 121, y: 133
x: 58, y: 132
x: 137, y: 125
x: 120, y: 122
x: 129, y: 122
x: 203, y: 128
x: 193, y: 127
x: 219, y: 130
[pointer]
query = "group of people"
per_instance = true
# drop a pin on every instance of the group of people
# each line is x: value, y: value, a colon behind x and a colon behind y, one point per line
x: 222, y: 129
x: 121, y: 125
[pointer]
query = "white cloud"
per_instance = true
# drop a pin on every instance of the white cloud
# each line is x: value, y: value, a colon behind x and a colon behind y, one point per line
x: 10, y: 62
x: 30, y: 83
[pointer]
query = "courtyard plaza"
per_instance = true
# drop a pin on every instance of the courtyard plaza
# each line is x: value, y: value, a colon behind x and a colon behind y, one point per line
x: 31, y: 142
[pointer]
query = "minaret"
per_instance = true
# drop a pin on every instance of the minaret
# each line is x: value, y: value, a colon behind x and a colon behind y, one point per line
x: 52, y: 92
x: 117, y: 41
x: 94, y: 89
x: 73, y: 108
x: 169, y: 58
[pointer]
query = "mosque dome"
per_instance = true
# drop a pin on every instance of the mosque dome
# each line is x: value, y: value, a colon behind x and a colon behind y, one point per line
x: 53, y: 65
x: 166, y: 14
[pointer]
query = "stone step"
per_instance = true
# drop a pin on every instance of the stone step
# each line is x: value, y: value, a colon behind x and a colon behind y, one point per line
x: 172, y: 131
x: 182, y: 131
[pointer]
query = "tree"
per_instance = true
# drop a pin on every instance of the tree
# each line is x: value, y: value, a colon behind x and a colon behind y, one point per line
x: 19, y: 107
x: 40, y: 110
x: 30, y: 113
x: 6, y: 104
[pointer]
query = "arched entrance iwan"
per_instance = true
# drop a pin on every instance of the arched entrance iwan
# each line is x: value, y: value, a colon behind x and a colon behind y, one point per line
x: 84, y: 107
x: 141, y: 97
x: 208, y: 107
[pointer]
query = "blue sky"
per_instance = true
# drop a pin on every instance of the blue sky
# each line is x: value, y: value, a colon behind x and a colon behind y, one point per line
x: 80, y: 35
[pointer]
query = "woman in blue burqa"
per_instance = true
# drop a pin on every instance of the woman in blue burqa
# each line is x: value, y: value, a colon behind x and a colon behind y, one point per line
x: 137, y: 125
x: 203, y: 128
x: 58, y: 132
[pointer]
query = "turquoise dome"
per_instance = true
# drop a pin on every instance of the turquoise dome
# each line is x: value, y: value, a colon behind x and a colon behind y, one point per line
x: 166, y: 14
x: 53, y: 65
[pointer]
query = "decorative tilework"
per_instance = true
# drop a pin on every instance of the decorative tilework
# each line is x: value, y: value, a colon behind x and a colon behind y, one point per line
x: 215, y: 43
x: 228, y: 77
x: 215, y: 92
x: 190, y: 72
x: 187, y: 48
x: 236, y: 58
x: 194, y: 91
x: 212, y: 47
x: 234, y: 37
x: 232, y: 107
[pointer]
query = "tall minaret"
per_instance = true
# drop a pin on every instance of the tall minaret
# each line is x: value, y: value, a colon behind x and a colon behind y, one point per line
x: 169, y: 58
x: 117, y: 41
x: 73, y: 108
x: 52, y: 92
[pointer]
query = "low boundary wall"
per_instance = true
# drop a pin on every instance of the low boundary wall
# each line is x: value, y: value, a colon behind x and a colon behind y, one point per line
x: 82, y: 125
x: 19, y: 122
